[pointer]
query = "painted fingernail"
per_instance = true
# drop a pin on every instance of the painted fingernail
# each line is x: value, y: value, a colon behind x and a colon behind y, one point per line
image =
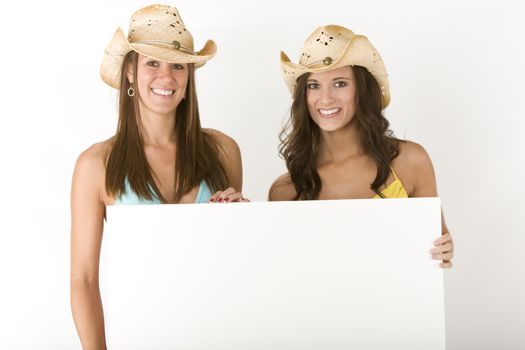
x: 220, y: 200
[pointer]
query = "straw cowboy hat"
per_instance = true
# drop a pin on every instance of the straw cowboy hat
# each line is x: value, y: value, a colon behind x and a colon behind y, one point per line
x: 156, y: 31
x: 331, y: 47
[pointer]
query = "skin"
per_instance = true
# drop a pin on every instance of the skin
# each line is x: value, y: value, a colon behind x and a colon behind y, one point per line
x: 89, y: 197
x: 346, y: 171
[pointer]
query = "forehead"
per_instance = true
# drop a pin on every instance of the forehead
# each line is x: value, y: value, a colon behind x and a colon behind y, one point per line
x: 341, y: 72
x: 142, y: 57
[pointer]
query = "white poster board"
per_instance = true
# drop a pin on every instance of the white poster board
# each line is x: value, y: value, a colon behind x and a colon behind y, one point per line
x: 345, y: 274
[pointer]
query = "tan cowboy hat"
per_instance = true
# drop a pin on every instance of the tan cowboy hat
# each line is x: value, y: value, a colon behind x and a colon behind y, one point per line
x: 331, y: 47
x: 155, y: 31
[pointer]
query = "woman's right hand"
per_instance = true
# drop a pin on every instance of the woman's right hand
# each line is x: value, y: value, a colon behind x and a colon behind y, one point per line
x: 229, y: 195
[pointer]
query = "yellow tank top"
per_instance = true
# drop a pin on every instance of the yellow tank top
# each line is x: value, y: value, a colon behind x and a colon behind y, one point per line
x: 395, y: 189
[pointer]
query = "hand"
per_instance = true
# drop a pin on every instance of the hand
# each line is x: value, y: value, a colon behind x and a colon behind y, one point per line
x: 229, y: 195
x: 444, y: 250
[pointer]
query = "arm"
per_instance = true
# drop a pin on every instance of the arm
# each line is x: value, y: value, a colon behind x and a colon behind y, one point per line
x: 230, y: 157
x: 422, y: 178
x: 87, y: 217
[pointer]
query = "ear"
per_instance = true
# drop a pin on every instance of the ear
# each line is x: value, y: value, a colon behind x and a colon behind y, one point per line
x: 130, y: 73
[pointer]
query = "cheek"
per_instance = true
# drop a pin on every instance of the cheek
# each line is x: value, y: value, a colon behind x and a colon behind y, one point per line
x: 142, y: 79
x: 181, y: 77
x: 310, y: 100
x: 184, y: 84
x: 349, y: 99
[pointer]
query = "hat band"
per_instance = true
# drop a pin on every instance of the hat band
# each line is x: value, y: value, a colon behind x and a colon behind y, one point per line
x: 172, y: 44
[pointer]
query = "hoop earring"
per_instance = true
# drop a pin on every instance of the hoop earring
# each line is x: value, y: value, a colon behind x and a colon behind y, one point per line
x: 131, y: 91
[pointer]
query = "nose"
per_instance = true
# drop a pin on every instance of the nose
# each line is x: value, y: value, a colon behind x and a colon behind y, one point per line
x: 165, y: 71
x: 327, y: 95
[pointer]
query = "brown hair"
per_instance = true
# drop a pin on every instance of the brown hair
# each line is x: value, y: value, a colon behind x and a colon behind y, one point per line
x: 300, y: 136
x: 197, y: 153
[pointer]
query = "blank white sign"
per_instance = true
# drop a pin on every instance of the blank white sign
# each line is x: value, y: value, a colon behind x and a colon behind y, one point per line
x: 345, y: 274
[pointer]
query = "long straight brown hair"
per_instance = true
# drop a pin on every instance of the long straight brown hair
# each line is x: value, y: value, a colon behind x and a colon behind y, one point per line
x: 196, y: 155
x: 300, y: 136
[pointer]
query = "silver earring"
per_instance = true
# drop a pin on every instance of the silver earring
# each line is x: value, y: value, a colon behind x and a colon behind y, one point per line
x: 131, y: 91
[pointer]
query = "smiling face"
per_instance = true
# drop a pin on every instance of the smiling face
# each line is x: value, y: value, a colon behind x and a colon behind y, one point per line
x: 330, y: 97
x: 161, y: 85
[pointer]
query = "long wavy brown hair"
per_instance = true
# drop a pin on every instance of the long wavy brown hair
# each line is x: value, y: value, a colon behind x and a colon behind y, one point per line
x: 300, y: 136
x: 197, y: 153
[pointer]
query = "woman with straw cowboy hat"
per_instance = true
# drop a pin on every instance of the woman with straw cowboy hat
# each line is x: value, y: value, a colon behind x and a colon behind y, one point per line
x: 337, y: 144
x: 159, y: 154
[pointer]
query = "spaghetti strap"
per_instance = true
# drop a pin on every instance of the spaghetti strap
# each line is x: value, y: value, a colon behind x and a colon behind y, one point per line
x: 395, y: 189
x: 394, y: 173
x: 204, y: 193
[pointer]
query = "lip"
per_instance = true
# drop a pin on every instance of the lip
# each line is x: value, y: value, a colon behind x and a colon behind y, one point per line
x: 163, y: 92
x: 329, y: 113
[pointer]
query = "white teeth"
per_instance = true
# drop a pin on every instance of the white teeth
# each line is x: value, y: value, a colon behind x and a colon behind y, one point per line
x: 329, y: 111
x: 163, y: 92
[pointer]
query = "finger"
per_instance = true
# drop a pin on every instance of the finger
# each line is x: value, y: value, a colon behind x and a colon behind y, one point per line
x: 445, y: 264
x: 216, y: 195
x: 234, y: 197
x: 443, y: 256
x: 445, y: 248
x: 443, y: 239
x: 225, y: 194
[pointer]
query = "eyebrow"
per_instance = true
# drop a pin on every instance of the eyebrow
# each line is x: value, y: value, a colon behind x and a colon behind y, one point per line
x: 338, y: 78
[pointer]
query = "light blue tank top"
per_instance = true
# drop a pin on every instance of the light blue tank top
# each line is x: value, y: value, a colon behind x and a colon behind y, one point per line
x: 129, y: 197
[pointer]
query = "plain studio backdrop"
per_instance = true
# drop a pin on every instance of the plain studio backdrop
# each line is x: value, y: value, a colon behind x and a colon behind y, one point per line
x: 457, y: 77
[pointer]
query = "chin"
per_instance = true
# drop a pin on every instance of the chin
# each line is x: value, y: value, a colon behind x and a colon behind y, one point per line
x: 330, y: 127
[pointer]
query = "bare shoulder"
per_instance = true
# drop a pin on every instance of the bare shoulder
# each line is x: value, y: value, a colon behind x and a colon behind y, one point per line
x: 229, y: 156
x: 226, y: 144
x: 90, y: 168
x: 414, y: 167
x: 282, y: 189
x: 94, y: 158
x: 413, y: 156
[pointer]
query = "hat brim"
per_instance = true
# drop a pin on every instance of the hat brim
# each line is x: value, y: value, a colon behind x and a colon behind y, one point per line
x: 119, y: 47
x: 359, y: 52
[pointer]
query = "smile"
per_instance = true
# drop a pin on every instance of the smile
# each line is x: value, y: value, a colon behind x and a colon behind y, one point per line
x: 329, y: 112
x: 163, y: 92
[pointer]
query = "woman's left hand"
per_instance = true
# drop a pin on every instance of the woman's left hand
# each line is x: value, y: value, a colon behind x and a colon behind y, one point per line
x: 229, y: 195
x: 444, y: 250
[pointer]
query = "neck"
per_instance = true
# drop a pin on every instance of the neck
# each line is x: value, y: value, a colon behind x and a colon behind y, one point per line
x: 339, y: 145
x: 158, y: 130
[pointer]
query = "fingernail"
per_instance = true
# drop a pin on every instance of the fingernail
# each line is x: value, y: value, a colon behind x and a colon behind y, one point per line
x: 220, y: 200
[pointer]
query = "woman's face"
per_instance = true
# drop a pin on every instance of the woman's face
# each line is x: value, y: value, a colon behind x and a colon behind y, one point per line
x: 161, y: 85
x: 331, y: 98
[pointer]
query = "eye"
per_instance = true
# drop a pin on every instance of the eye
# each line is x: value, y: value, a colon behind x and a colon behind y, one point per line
x: 152, y: 63
x: 340, y: 84
x: 177, y: 66
x: 312, y: 86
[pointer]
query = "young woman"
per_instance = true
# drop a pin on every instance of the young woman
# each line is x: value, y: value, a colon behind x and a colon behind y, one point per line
x: 159, y: 154
x: 337, y: 144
